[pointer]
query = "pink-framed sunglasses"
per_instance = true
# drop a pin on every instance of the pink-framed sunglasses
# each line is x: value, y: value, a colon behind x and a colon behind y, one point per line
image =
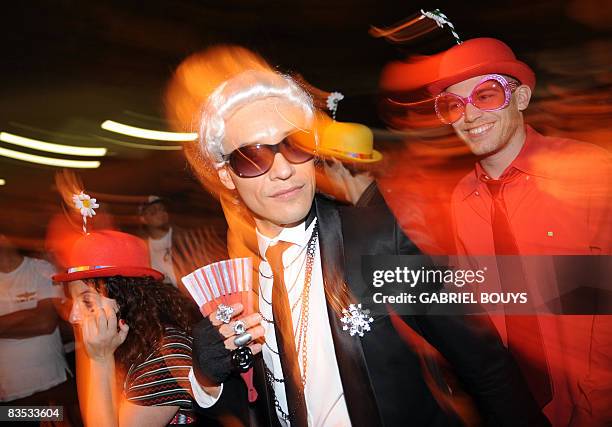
x: 492, y: 93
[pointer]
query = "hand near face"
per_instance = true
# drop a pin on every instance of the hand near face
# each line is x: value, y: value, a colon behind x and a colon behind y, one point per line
x: 101, y: 334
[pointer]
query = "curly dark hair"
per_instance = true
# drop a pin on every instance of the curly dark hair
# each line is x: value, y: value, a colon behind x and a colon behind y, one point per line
x: 147, y: 306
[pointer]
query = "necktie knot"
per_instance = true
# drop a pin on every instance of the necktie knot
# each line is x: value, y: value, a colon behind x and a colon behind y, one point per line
x: 495, y: 187
x: 274, y: 255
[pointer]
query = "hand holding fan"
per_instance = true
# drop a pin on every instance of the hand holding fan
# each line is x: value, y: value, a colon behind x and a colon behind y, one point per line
x: 225, y: 282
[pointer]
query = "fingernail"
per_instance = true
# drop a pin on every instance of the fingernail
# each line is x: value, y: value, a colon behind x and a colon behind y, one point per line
x: 121, y: 322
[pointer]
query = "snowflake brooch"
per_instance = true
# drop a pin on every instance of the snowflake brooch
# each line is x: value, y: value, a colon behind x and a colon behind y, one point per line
x: 356, y: 320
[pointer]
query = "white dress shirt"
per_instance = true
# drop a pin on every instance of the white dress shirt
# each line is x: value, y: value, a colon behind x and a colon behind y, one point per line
x: 324, y: 395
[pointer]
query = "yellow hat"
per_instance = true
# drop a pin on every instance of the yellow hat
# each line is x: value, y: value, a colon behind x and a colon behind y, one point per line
x: 348, y: 141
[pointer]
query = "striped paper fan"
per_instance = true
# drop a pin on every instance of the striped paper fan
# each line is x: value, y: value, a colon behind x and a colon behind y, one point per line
x: 224, y: 282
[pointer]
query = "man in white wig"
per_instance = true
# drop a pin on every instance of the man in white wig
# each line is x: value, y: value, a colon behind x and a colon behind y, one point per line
x: 308, y: 369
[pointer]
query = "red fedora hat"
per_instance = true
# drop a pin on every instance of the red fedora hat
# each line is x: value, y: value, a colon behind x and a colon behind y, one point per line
x: 477, y: 57
x: 108, y: 253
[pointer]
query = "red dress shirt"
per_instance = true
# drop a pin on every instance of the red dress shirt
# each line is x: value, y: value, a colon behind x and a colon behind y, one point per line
x: 558, y: 195
x: 558, y: 198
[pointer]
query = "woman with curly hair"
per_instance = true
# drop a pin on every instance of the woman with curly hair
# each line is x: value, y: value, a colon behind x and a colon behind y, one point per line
x: 135, y: 333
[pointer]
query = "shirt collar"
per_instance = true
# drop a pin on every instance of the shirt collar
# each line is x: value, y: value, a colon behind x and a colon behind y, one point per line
x: 297, y: 235
x: 534, y: 158
x: 526, y: 162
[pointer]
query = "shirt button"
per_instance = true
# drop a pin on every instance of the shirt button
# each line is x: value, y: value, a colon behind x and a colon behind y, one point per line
x: 527, y: 178
x: 477, y: 193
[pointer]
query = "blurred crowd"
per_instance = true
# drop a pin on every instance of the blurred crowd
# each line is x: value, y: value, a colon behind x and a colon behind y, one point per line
x: 472, y: 164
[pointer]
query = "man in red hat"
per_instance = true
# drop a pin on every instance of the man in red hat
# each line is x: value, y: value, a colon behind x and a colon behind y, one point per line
x: 530, y: 195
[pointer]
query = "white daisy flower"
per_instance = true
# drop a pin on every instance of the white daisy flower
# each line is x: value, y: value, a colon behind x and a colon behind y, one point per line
x: 333, y: 99
x: 85, y: 204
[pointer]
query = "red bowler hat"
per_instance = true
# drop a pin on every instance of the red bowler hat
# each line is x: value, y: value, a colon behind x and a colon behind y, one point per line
x: 414, y: 73
x: 478, y: 57
x: 108, y: 253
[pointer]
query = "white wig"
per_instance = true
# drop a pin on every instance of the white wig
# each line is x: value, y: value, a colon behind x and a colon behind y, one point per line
x: 240, y: 90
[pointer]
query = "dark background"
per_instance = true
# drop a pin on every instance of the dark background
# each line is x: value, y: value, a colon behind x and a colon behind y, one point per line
x: 69, y: 65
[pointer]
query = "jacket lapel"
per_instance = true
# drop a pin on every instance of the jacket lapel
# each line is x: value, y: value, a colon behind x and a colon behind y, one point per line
x: 356, y: 382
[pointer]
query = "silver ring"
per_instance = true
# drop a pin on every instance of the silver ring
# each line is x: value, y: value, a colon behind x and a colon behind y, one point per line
x: 242, y: 340
x: 239, y: 327
x: 224, y: 313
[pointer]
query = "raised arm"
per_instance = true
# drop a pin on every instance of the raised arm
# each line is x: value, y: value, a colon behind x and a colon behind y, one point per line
x: 101, y: 337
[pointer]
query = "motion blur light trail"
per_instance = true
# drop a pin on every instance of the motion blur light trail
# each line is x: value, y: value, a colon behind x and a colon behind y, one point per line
x: 49, y: 161
x: 137, y: 132
x: 50, y: 147
x: 140, y: 146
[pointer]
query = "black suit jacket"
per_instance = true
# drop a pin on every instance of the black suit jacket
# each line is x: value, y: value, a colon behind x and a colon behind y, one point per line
x: 383, y: 377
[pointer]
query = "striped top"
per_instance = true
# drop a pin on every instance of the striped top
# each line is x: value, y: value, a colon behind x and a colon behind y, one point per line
x: 162, y: 379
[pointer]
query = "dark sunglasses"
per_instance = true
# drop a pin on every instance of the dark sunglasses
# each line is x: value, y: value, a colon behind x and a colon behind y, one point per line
x: 255, y: 160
